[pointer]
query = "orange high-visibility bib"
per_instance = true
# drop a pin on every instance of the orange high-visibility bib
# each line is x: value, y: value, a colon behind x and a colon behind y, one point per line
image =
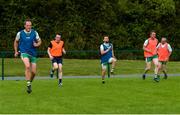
x: 152, y: 44
x: 57, y: 48
x: 163, y: 52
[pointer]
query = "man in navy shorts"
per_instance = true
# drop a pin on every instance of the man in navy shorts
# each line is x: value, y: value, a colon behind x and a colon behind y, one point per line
x: 55, y: 52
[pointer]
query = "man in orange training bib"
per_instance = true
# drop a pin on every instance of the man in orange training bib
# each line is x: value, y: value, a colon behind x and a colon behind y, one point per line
x: 55, y: 52
x: 164, y: 51
x: 150, y: 54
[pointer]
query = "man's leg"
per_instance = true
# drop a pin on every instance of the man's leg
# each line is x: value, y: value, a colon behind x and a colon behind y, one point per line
x: 60, y: 74
x: 27, y: 73
x: 55, y: 67
x: 156, y: 70
x: 103, y: 73
x: 33, y: 71
x: 147, y: 68
x: 160, y: 66
x: 113, y: 61
x: 164, y: 70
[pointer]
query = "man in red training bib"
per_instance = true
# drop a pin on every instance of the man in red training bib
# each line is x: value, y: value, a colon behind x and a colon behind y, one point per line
x: 150, y: 54
x: 164, y: 51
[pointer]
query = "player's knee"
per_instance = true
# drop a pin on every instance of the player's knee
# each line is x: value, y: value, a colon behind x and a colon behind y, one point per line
x: 157, y: 65
x: 33, y: 72
x: 27, y: 67
x: 55, y: 67
x: 103, y: 69
x: 160, y: 67
x: 114, y: 60
x: 148, y: 68
x: 103, y: 72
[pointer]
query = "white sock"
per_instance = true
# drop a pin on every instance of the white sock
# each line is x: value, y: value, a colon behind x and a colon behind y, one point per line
x: 112, y: 69
x: 28, y: 83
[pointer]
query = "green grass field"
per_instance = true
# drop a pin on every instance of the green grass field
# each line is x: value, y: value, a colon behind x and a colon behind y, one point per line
x: 75, y: 67
x: 89, y: 95
x: 118, y: 95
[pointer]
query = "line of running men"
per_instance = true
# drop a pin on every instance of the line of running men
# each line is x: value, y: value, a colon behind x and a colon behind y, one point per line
x: 155, y: 52
x: 28, y: 40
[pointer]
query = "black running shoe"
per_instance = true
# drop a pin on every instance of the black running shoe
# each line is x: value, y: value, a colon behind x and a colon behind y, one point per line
x: 29, y: 90
x: 144, y: 76
x: 103, y: 82
x: 112, y: 72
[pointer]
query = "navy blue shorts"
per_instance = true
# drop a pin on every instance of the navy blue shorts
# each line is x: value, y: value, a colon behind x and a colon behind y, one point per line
x: 57, y: 60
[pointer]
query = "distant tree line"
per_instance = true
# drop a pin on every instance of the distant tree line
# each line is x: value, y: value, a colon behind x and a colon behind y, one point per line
x: 84, y: 22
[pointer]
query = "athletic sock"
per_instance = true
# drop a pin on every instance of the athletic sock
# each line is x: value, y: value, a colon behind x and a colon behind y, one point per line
x: 31, y: 80
x: 155, y: 76
x: 28, y: 83
x: 103, y: 80
x: 60, y: 81
x: 112, y: 70
x: 52, y: 70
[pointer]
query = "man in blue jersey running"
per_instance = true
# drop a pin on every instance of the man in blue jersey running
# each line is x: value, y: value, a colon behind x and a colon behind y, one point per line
x: 107, y: 57
x: 25, y: 43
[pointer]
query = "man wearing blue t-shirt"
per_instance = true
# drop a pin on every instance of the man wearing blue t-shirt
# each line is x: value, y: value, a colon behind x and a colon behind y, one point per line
x: 107, y: 57
x: 25, y: 43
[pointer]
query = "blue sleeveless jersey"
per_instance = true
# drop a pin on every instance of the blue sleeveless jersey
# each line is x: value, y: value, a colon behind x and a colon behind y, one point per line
x: 26, y: 43
x: 105, y: 58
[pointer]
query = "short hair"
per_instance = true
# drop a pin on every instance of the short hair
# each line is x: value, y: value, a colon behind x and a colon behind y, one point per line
x: 152, y: 31
x: 163, y: 37
x: 27, y: 20
x: 106, y: 36
x: 58, y: 34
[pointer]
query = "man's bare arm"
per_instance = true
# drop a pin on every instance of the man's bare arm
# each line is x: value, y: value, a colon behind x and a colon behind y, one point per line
x: 48, y: 51
x: 16, y: 43
x: 104, y: 52
x: 64, y: 51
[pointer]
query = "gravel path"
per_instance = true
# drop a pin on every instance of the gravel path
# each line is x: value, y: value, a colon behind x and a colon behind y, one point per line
x: 69, y: 77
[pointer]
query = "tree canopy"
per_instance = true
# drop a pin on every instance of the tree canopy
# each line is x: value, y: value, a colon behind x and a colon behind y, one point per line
x: 84, y: 22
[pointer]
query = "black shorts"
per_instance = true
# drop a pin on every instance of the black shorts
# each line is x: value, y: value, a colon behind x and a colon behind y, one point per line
x: 57, y: 60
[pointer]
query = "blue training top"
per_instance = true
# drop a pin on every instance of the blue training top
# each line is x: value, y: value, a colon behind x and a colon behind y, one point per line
x: 105, y: 57
x: 26, y: 43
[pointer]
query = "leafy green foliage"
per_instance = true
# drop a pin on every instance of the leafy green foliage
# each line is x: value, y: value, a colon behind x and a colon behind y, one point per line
x: 83, y: 23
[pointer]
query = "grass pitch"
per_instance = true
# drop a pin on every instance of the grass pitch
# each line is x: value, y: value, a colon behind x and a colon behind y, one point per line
x: 118, y: 95
x: 76, y: 67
